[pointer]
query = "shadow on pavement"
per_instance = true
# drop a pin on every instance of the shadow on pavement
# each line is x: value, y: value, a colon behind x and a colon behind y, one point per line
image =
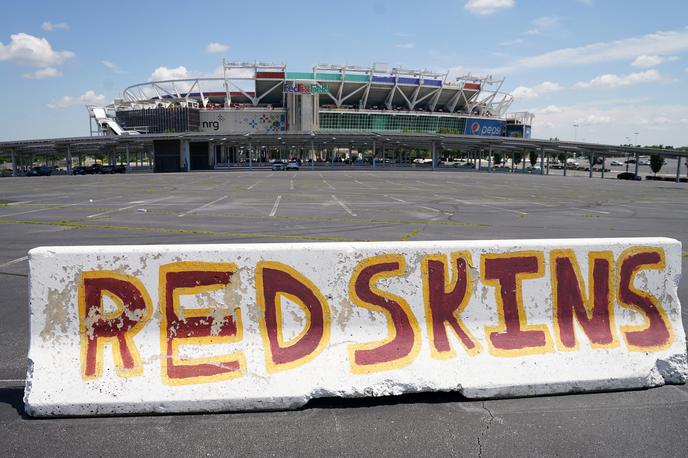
x: 14, y: 397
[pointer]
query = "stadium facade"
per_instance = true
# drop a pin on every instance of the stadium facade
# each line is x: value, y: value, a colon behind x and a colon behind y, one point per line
x: 259, y: 98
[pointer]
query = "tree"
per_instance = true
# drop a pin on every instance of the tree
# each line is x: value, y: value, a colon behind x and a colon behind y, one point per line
x: 518, y: 157
x: 497, y: 159
x: 533, y: 158
x: 561, y: 158
x: 656, y: 163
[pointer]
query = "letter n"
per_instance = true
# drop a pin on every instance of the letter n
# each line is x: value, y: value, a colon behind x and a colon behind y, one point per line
x: 594, y: 312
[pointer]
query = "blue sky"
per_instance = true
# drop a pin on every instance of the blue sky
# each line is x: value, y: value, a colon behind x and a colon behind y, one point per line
x: 613, y: 67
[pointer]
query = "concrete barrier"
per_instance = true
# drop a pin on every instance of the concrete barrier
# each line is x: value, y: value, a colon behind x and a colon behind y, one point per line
x: 134, y: 329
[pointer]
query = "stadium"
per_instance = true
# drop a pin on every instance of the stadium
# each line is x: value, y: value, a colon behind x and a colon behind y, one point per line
x: 334, y: 115
x: 260, y: 98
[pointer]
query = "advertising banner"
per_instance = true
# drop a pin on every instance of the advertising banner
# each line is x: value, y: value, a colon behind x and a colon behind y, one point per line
x: 234, y: 121
x: 484, y: 127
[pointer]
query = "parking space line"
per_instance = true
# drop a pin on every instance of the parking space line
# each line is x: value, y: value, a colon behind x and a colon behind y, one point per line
x: 328, y: 184
x: 397, y: 199
x: 343, y: 205
x: 291, y: 184
x: 252, y: 186
x: 128, y: 207
x: 14, y: 261
x: 430, y: 208
x: 295, y: 174
x: 517, y: 212
x: 203, y: 206
x: 28, y: 211
x: 19, y: 203
x: 274, y: 207
x: 589, y: 210
x: 56, y: 208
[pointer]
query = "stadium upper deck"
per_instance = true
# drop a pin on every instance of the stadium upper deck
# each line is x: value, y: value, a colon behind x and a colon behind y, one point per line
x: 266, y: 98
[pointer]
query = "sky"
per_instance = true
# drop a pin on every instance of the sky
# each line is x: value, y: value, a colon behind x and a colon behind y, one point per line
x: 616, y: 69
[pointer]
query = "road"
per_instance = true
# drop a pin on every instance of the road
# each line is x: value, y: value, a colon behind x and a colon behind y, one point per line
x: 265, y: 206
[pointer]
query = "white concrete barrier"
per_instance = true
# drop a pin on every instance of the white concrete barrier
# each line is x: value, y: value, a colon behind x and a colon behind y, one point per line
x: 131, y: 329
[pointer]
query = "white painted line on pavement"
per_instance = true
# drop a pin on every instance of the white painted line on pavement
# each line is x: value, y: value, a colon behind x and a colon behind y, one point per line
x: 128, y: 207
x: 56, y: 208
x: 274, y: 207
x: 203, y: 206
x: 430, y: 208
x: 328, y: 184
x: 19, y: 203
x: 291, y: 184
x: 343, y: 205
x: 14, y: 261
x: 589, y: 210
x: 28, y: 211
x: 252, y: 186
x: 397, y: 199
x: 487, y: 206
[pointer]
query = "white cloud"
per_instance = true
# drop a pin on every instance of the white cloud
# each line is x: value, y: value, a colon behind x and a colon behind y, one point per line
x: 658, y: 43
x: 646, y: 61
x: 547, y: 110
x: 593, y: 119
x: 87, y: 98
x: 47, y: 72
x: 543, y: 23
x: 611, y: 121
x: 406, y: 45
x: 164, y: 73
x: 485, y: 7
x: 112, y: 66
x: 517, y: 41
x: 25, y: 49
x: 216, y: 48
x: 525, y: 93
x: 610, y: 80
x: 51, y: 26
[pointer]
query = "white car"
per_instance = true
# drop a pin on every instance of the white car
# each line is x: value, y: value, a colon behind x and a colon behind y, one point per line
x: 616, y: 163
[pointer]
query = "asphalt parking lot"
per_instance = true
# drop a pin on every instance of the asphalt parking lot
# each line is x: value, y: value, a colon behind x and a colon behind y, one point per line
x: 344, y: 205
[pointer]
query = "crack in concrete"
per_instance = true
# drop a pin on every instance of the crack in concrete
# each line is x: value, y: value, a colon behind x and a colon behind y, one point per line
x: 488, y: 423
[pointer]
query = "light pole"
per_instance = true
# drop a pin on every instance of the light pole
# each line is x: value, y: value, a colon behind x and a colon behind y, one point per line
x: 636, y: 137
x: 575, y: 132
x: 628, y: 139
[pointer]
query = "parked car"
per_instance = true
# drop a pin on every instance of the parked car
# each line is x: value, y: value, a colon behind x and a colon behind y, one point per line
x: 40, y: 171
x: 278, y: 165
x: 293, y: 165
x: 120, y: 168
x: 643, y: 162
x: 109, y: 169
x: 628, y: 176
